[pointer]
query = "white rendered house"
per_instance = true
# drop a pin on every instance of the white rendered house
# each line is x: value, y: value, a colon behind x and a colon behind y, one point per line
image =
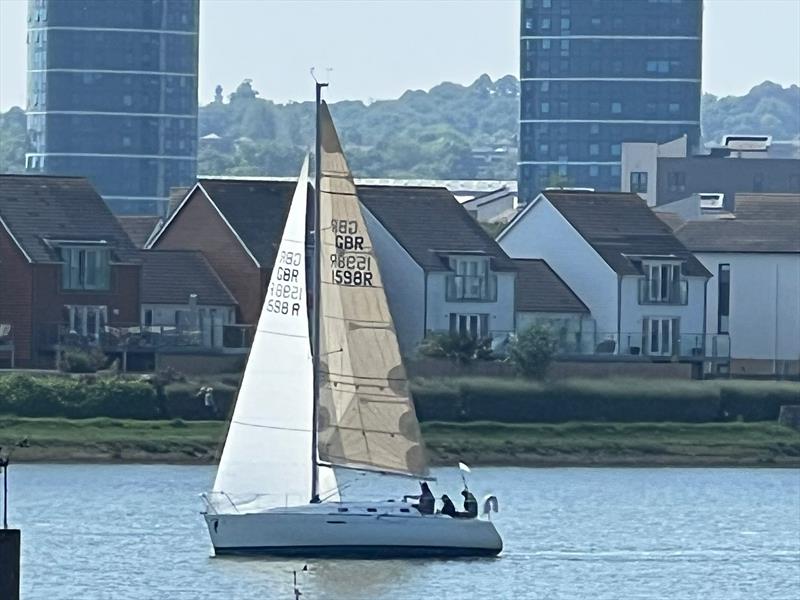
x: 645, y: 291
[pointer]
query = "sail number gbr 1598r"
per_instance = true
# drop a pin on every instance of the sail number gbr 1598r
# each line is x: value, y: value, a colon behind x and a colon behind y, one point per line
x: 350, y: 263
x: 285, y: 292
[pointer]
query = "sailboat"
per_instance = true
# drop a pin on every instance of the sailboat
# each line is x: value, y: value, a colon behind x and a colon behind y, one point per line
x: 301, y: 416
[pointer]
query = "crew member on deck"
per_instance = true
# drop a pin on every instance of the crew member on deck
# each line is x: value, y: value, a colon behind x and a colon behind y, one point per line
x: 427, y: 501
x: 448, y: 508
x: 470, y: 504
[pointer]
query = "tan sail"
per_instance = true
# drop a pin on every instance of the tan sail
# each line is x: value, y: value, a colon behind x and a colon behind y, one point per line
x: 366, y: 415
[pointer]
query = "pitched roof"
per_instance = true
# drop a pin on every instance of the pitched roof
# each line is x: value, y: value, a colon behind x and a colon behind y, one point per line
x: 170, y: 276
x: 620, y: 226
x: 672, y: 220
x: 138, y: 228
x: 539, y: 289
x: 429, y: 223
x: 38, y: 208
x: 256, y: 210
x: 740, y: 235
x: 768, y: 207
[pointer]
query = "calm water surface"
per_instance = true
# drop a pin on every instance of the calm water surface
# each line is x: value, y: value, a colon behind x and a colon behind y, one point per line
x: 93, y: 532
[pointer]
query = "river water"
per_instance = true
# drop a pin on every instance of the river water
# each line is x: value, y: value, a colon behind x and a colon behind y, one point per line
x: 120, y: 532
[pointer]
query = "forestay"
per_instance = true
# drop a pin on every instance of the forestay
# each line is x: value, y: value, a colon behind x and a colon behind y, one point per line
x: 267, y: 459
x: 366, y: 415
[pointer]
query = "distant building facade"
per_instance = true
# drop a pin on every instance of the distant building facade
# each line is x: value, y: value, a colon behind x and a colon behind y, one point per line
x: 112, y: 96
x: 595, y: 74
x: 666, y: 173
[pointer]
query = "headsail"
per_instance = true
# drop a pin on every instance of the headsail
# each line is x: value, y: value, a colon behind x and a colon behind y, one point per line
x: 366, y: 415
x: 267, y: 454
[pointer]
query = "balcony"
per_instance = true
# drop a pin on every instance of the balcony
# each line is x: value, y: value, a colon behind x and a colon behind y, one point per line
x: 632, y: 346
x: 656, y: 291
x: 150, y: 338
x: 471, y: 288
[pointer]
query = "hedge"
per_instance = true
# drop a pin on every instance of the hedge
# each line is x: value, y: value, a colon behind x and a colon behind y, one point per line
x: 613, y: 400
x: 461, y: 399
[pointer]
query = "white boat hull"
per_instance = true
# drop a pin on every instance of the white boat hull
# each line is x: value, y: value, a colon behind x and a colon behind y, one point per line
x: 351, y: 530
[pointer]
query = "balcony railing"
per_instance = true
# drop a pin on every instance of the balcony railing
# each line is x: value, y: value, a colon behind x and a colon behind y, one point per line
x: 655, y: 291
x: 471, y: 288
x: 147, y: 337
x: 687, y: 346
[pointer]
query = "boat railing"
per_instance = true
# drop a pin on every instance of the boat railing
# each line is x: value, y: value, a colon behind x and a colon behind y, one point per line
x: 216, y: 500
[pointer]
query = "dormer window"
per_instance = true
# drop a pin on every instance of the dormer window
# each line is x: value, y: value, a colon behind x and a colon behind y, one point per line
x: 85, y: 267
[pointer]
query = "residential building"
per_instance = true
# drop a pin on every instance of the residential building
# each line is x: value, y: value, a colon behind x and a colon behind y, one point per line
x: 645, y: 291
x: 669, y: 172
x: 441, y: 271
x: 68, y: 271
x: 112, y: 96
x: 139, y: 228
x: 236, y: 224
x: 596, y: 74
x: 186, y: 305
x: 496, y: 206
x: 755, y: 294
x: 543, y: 299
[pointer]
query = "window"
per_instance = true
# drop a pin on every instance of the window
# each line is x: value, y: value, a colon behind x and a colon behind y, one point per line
x: 662, y: 283
x: 470, y: 280
x: 594, y: 171
x: 545, y: 86
x: 545, y: 23
x: 545, y: 107
x: 615, y: 149
x: 545, y: 44
x: 658, y: 334
x: 616, y: 107
x: 472, y: 325
x: 639, y: 182
x: 594, y: 149
x: 85, y: 321
x: 674, y: 107
x: 547, y: 3
x: 84, y: 268
x: 565, y: 23
x: 594, y: 128
x: 615, y: 170
x: 676, y: 181
x: 723, y: 298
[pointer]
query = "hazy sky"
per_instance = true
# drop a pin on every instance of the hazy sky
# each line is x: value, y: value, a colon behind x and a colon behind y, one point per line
x: 379, y: 48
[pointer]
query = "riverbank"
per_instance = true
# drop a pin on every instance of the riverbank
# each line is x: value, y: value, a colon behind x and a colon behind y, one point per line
x: 480, y: 443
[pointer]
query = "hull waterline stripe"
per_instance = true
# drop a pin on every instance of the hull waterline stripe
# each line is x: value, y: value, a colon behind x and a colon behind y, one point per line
x: 358, y: 551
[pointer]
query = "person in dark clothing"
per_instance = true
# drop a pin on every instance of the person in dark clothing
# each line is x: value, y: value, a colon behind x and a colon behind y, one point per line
x: 427, y: 501
x: 470, y: 504
x: 448, y: 508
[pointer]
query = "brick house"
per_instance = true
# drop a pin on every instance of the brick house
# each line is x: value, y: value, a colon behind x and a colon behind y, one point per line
x: 67, y: 268
x: 237, y: 225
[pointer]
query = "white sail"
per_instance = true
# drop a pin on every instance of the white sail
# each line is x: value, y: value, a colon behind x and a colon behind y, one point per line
x: 267, y: 458
x: 366, y: 417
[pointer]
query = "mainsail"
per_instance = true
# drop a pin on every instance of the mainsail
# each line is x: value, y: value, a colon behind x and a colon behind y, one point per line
x: 366, y: 415
x: 267, y: 457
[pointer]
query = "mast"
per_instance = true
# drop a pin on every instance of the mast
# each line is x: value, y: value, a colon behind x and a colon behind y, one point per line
x: 315, y: 344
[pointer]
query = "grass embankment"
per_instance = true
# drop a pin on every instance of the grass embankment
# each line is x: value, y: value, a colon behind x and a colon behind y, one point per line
x: 482, y: 443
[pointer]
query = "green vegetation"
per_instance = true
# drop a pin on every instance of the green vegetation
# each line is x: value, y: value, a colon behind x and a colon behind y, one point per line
x: 508, y: 400
x: 421, y: 134
x: 729, y: 444
x: 532, y: 351
x: 456, y: 347
x: 458, y: 399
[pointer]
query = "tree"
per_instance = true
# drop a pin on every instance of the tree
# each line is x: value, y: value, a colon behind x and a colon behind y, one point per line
x: 532, y: 351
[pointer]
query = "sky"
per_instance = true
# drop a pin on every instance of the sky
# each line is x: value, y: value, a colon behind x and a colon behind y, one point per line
x: 377, y: 49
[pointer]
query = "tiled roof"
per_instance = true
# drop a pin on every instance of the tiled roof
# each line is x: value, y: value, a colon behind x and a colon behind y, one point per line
x: 429, y: 223
x: 740, y: 235
x: 256, y: 210
x: 170, y: 276
x: 768, y: 207
x: 620, y: 226
x: 36, y: 208
x: 539, y: 289
x: 138, y: 228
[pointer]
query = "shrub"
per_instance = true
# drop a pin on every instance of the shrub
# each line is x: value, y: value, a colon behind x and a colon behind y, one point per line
x: 457, y: 347
x: 74, y: 360
x: 532, y: 351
